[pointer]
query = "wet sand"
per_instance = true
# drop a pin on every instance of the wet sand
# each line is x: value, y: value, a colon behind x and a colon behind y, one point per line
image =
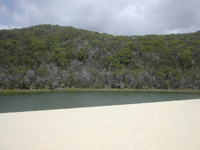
x: 152, y: 126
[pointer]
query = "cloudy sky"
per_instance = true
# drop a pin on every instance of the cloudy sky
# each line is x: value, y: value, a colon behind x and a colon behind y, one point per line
x: 118, y: 17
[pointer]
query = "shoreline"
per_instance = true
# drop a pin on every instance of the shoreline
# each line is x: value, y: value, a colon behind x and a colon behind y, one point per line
x: 153, y: 126
x: 13, y: 91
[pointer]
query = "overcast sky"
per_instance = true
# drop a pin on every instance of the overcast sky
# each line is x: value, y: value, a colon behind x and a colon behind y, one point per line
x: 118, y: 17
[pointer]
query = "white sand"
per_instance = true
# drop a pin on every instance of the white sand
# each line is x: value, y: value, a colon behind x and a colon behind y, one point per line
x: 160, y: 126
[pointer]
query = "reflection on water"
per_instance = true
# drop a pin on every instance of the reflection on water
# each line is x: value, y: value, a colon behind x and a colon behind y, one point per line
x: 64, y: 100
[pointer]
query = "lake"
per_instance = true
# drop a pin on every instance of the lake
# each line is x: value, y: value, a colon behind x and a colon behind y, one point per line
x: 77, y: 99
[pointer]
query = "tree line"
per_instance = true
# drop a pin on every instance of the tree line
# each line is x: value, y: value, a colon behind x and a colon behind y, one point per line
x: 52, y: 56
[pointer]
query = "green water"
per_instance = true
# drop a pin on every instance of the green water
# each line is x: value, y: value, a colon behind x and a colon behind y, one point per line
x: 66, y: 100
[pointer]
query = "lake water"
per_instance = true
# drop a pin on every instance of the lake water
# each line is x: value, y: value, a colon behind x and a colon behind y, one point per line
x: 66, y: 100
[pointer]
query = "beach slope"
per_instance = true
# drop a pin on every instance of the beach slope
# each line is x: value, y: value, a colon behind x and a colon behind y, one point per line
x: 151, y: 126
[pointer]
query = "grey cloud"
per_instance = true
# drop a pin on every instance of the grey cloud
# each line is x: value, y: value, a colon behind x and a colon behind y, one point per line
x: 121, y: 17
x: 176, y: 14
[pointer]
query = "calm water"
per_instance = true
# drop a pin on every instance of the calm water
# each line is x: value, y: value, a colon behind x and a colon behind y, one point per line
x: 60, y: 100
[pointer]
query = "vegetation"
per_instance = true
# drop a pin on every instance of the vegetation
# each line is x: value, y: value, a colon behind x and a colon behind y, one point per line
x: 52, y: 56
x: 18, y: 91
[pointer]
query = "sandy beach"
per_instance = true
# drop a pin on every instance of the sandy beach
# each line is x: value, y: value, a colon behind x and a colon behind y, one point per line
x: 151, y: 126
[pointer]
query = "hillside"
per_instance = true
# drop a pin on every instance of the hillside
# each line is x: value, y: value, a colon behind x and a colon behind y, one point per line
x: 52, y: 56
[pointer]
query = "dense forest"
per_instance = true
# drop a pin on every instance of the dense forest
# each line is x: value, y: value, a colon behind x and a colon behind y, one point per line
x: 52, y: 56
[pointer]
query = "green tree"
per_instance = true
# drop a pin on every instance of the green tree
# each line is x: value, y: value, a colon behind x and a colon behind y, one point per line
x: 186, y: 58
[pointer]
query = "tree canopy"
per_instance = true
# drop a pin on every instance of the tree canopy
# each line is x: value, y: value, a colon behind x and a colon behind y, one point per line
x: 52, y: 56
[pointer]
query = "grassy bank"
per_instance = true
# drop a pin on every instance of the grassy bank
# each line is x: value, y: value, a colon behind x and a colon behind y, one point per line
x: 90, y: 90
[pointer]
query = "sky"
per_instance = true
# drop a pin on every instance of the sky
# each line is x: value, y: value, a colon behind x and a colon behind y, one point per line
x: 118, y: 17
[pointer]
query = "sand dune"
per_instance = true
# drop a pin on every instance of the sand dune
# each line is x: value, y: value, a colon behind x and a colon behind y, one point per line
x: 152, y: 126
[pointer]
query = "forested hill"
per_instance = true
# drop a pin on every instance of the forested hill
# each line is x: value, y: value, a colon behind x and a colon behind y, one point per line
x: 52, y: 56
